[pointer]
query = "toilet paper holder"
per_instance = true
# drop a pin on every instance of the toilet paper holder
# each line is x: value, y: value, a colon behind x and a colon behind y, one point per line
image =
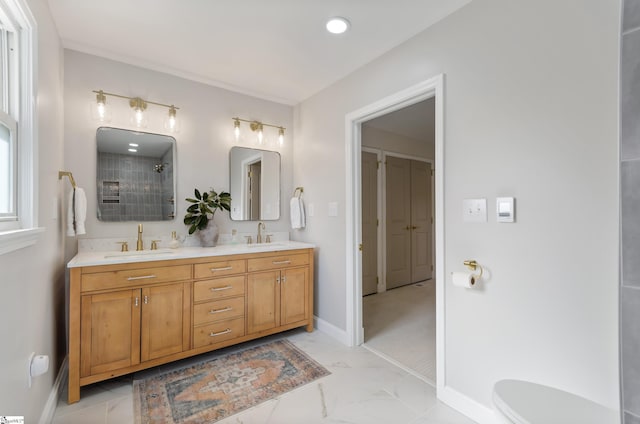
x: 473, y: 265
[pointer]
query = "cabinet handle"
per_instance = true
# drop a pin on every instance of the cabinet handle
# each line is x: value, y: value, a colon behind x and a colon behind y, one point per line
x: 144, y: 277
x: 214, y: 289
x: 278, y: 280
x: 226, y: 268
x: 284, y: 279
x: 137, y: 301
x: 146, y: 300
x: 227, y: 331
x: 281, y: 262
x: 217, y: 311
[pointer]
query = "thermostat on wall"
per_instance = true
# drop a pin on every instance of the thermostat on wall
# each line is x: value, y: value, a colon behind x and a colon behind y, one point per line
x: 505, y: 209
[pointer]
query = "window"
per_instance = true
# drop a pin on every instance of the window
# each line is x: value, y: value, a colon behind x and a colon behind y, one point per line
x: 18, y: 174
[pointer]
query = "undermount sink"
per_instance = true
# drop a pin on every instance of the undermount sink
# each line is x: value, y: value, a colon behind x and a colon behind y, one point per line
x: 137, y: 253
x: 265, y: 245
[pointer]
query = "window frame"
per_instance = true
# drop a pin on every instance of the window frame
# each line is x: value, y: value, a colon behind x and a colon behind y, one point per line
x: 26, y: 231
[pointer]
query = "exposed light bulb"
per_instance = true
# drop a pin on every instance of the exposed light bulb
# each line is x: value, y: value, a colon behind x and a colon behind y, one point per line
x: 138, y: 105
x: 172, y: 124
x: 236, y: 128
x: 260, y: 135
x: 281, y: 136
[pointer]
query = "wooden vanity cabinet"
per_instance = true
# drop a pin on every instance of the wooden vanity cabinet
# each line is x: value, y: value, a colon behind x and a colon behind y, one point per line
x: 280, y: 296
x: 128, y: 317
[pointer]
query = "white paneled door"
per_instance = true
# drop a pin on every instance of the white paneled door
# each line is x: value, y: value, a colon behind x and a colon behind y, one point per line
x: 369, y: 223
x: 408, y: 221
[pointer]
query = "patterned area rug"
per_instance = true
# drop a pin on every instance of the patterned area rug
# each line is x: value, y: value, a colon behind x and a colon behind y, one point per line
x: 223, y: 386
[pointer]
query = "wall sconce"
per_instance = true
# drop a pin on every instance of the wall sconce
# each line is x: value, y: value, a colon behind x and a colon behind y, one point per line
x: 257, y: 126
x: 102, y: 113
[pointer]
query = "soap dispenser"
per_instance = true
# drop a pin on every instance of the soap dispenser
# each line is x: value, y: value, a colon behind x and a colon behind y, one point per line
x: 174, y: 243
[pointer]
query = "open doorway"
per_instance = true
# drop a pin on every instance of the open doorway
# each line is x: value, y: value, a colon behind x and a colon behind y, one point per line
x: 398, y: 151
x: 431, y: 88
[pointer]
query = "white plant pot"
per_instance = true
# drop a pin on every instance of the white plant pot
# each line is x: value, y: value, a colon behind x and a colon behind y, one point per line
x: 209, y: 236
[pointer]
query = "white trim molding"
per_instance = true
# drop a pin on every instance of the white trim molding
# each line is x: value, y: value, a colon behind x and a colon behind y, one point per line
x: 18, y: 239
x: 467, y: 406
x: 56, y: 391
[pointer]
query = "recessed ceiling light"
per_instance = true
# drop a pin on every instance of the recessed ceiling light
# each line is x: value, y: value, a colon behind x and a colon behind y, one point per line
x: 133, y: 144
x: 337, y: 25
x: 132, y: 150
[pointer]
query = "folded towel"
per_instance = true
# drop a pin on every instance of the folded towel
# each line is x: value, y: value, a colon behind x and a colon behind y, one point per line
x: 298, y: 219
x: 76, y: 212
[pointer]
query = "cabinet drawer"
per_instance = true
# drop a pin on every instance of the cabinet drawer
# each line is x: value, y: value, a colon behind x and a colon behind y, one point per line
x: 277, y: 262
x: 218, y: 310
x: 218, y: 288
x: 134, y: 277
x: 218, y: 269
x: 218, y: 332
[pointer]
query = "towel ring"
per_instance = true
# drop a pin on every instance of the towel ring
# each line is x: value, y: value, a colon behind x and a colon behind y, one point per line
x: 298, y: 191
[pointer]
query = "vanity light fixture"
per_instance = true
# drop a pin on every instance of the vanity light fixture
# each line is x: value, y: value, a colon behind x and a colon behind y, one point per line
x: 257, y: 126
x: 338, y: 25
x: 139, y: 105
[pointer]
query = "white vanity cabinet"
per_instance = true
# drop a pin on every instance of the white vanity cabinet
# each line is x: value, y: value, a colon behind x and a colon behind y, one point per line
x: 125, y: 317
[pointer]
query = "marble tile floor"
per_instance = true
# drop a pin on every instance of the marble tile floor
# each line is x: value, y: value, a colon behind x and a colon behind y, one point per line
x: 362, y: 388
x: 404, y: 313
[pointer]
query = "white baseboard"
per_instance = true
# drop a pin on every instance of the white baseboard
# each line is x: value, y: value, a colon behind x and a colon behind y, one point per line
x: 331, y: 330
x: 50, y: 407
x: 467, y: 406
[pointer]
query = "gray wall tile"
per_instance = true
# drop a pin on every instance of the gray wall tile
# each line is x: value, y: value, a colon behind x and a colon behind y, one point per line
x: 630, y: 97
x: 630, y: 347
x: 630, y: 419
x: 631, y: 15
x: 630, y: 191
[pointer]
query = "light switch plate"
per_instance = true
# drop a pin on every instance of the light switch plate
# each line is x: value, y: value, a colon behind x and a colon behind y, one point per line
x: 474, y: 210
x: 333, y: 209
x: 505, y: 209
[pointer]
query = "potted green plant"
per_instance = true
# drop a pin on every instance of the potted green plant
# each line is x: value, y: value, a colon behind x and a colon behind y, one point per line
x: 201, y: 212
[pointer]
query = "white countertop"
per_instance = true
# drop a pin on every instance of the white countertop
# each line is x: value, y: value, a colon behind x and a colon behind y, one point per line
x: 92, y: 258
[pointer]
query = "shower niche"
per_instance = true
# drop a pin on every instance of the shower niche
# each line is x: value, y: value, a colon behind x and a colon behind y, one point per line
x: 135, y: 176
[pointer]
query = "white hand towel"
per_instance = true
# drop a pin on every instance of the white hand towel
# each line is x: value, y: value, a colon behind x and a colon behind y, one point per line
x: 81, y: 211
x: 298, y: 220
x: 76, y: 212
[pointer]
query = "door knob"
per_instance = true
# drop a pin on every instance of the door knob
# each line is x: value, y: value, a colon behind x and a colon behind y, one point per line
x: 407, y: 228
x: 414, y: 227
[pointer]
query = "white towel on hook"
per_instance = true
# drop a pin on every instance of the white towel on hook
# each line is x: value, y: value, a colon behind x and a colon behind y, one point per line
x: 298, y: 220
x: 76, y: 212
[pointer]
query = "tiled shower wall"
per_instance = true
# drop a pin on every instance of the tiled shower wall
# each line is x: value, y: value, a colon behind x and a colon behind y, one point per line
x: 630, y: 192
x: 141, y: 194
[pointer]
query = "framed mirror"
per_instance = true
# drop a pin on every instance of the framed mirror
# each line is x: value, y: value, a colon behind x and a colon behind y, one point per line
x: 135, y: 176
x: 254, y: 184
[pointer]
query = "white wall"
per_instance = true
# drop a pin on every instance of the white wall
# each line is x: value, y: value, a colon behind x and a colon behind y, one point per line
x: 32, y: 279
x: 531, y: 112
x: 203, y: 143
x: 391, y: 142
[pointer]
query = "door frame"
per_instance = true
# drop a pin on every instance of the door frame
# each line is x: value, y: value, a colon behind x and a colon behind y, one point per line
x: 433, y: 87
x: 383, y: 221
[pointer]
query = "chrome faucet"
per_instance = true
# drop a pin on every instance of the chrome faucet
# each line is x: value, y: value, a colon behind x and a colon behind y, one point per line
x: 259, y: 237
x: 140, y: 245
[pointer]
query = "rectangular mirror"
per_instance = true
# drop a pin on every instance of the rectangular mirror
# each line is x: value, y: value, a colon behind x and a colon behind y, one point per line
x: 254, y: 184
x: 135, y: 176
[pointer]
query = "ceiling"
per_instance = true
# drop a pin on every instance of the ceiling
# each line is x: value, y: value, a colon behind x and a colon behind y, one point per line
x: 417, y: 121
x: 277, y: 50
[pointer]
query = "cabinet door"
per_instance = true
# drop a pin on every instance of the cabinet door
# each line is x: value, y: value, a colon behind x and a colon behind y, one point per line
x: 165, y: 320
x: 294, y: 297
x: 263, y: 301
x: 110, y: 331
